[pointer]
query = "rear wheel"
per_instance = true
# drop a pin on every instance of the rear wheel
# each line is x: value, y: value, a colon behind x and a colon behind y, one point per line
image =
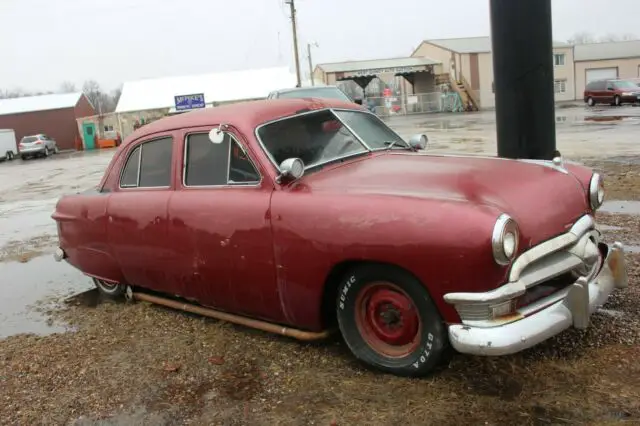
x: 9, y: 156
x: 24, y: 157
x: 389, y: 321
x: 110, y: 290
x: 590, y: 101
x: 617, y: 101
x: 46, y: 151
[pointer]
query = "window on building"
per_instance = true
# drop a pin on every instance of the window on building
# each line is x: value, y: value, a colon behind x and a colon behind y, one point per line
x: 108, y: 128
x: 560, y: 86
x: 149, y: 165
x: 558, y: 59
x: 210, y: 164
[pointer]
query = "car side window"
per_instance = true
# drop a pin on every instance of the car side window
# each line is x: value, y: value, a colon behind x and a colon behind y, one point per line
x: 149, y: 165
x: 211, y: 164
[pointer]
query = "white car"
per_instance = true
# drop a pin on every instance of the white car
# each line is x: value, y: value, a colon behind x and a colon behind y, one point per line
x: 39, y: 145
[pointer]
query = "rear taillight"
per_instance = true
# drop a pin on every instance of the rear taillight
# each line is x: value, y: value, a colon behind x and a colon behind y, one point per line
x: 38, y: 142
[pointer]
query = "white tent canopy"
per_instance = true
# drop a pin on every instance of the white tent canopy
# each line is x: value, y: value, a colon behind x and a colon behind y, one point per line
x: 217, y: 87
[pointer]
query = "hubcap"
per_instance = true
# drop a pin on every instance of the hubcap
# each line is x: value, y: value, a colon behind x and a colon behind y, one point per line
x: 107, y: 287
x: 387, y: 319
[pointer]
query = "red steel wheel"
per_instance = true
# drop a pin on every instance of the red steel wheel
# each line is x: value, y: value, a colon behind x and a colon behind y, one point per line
x: 389, y: 321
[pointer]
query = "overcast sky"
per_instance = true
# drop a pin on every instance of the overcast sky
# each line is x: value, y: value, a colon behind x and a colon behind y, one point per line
x: 44, y: 42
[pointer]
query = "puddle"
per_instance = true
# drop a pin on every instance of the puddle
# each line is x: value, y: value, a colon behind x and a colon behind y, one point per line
x: 25, y: 286
x: 22, y: 220
x: 609, y: 228
x: 632, y: 248
x: 621, y: 207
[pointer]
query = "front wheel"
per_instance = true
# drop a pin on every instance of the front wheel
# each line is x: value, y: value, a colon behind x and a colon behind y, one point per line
x: 389, y: 321
x: 110, y: 290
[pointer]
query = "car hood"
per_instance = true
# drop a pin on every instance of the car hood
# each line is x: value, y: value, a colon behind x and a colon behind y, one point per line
x: 543, y: 200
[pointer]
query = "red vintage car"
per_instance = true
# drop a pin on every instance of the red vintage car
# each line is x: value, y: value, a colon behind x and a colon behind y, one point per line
x: 303, y: 216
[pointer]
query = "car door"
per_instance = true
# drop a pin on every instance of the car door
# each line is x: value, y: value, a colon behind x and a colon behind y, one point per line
x: 220, y: 228
x: 137, y: 213
x: 609, y: 92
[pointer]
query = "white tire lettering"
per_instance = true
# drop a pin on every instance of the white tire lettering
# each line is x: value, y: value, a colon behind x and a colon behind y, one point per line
x: 345, y: 290
x: 427, y: 351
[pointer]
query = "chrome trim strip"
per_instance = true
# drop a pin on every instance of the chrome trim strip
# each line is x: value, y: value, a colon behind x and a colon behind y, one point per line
x: 545, y: 163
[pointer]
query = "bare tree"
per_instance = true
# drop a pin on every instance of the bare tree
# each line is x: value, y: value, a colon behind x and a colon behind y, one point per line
x: 67, y: 87
x: 609, y: 38
x: 582, y: 38
x: 91, y: 90
x: 115, y: 96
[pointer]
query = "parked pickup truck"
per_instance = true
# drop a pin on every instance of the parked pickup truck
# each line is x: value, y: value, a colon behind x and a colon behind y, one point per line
x: 303, y: 216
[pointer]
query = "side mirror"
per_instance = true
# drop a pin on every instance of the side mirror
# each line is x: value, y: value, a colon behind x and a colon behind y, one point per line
x: 358, y: 101
x: 216, y: 135
x: 291, y: 169
x: 418, y: 142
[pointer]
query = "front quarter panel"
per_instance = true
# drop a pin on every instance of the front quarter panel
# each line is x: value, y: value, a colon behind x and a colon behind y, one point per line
x: 445, y: 244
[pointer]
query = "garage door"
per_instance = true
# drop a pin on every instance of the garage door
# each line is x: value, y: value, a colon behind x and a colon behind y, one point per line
x: 601, y: 74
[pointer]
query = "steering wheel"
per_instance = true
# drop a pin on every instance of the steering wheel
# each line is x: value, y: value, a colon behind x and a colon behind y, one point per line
x: 348, y: 143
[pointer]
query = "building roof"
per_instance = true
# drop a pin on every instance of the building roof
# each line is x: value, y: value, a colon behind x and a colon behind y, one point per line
x: 39, y: 103
x: 473, y: 44
x: 609, y: 50
x: 375, y: 64
x: 217, y: 87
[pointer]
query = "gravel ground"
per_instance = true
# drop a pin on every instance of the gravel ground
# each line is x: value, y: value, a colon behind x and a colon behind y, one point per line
x: 140, y: 364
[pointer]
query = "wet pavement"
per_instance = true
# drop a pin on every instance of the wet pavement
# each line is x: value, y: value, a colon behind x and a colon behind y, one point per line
x: 581, y: 132
x: 31, y: 279
x: 30, y: 289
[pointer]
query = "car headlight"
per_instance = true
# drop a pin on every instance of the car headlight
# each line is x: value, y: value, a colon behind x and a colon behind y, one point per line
x: 504, y: 241
x: 596, y: 191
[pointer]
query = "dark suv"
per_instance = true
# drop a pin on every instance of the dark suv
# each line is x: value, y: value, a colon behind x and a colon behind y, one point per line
x: 614, y: 92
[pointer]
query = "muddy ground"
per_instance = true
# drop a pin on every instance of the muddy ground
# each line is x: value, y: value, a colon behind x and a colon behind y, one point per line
x: 90, y: 362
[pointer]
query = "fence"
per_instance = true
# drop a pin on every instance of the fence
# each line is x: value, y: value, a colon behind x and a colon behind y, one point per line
x: 421, y: 103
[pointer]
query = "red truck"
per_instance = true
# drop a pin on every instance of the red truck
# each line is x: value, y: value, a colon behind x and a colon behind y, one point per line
x: 304, y: 216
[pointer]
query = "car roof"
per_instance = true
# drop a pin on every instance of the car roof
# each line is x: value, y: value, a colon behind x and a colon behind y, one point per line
x: 296, y: 89
x: 245, y: 116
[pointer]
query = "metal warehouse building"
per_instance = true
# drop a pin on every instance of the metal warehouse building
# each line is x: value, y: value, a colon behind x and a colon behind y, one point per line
x: 54, y: 115
x: 605, y: 60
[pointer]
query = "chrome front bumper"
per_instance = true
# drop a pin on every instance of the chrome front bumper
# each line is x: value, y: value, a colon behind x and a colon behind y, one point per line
x: 574, y: 308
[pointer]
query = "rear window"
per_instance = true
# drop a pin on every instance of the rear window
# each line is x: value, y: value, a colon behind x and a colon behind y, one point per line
x: 29, y: 139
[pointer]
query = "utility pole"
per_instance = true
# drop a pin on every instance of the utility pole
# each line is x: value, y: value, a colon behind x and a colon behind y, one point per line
x: 311, y: 62
x: 295, y: 39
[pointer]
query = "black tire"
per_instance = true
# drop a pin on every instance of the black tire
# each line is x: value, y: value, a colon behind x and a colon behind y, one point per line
x: 617, y: 101
x: 24, y: 157
x: 46, y: 152
x: 427, y: 342
x: 110, y: 290
x: 590, y: 101
x: 9, y: 156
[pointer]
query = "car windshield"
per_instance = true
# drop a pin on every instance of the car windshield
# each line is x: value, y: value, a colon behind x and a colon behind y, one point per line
x: 316, y: 138
x: 371, y: 130
x: 624, y: 84
x: 28, y: 139
x: 316, y: 92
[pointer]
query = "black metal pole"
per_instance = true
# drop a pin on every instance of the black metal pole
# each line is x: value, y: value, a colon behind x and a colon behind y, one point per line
x: 523, y: 78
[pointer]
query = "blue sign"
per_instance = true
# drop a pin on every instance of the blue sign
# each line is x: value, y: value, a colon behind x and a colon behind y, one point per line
x: 187, y: 102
